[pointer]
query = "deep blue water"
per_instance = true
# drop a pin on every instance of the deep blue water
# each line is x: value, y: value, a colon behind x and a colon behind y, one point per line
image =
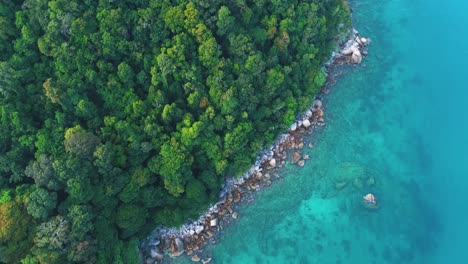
x: 397, y: 126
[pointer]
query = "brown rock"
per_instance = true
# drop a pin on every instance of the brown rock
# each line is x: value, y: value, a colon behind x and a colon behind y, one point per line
x: 319, y: 113
x: 300, y: 145
x: 306, y: 157
x: 195, y: 258
x: 258, y: 176
x: 311, y: 145
x: 295, y: 158
x: 209, y: 233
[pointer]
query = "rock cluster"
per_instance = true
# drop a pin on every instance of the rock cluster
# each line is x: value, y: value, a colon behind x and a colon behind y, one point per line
x: 311, y: 118
x: 191, y: 238
x: 354, y: 50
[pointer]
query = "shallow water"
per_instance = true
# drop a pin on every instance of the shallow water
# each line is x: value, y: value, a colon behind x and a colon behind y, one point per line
x: 399, y: 121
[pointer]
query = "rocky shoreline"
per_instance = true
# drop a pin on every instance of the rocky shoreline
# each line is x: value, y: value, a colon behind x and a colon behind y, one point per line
x: 191, y: 238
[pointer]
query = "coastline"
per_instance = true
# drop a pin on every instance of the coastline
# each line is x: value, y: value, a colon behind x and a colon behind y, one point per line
x: 191, y: 237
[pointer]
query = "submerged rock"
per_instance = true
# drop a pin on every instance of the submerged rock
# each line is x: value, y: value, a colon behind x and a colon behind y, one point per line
x: 206, y: 261
x: 156, y: 254
x: 195, y: 258
x: 178, y: 249
x: 234, y: 215
x: 340, y: 185
x: 295, y: 158
x: 357, y: 182
x: 301, y: 163
x: 370, y: 181
x: 347, y: 172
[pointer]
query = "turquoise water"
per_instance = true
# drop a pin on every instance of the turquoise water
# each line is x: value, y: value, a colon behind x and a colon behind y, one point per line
x: 396, y: 127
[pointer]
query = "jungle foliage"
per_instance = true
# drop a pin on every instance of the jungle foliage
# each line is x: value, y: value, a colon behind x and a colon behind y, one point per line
x: 117, y: 116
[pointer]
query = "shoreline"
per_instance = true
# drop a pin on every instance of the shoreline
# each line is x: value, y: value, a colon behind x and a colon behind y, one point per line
x: 192, y: 237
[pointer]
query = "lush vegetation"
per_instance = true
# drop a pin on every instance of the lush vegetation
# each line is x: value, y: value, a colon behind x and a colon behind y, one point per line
x: 116, y: 116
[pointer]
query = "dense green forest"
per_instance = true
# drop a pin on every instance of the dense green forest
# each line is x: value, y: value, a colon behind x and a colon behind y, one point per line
x: 119, y: 115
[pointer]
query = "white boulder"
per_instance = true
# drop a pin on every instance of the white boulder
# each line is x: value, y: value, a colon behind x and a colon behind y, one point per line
x: 293, y: 127
x: 272, y: 162
x: 198, y: 229
x: 347, y: 51
x: 356, y: 58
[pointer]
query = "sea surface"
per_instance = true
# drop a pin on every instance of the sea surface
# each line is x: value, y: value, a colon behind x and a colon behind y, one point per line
x: 397, y: 127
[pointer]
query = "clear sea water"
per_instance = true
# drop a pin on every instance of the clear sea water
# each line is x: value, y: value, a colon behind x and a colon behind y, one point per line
x: 399, y: 119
